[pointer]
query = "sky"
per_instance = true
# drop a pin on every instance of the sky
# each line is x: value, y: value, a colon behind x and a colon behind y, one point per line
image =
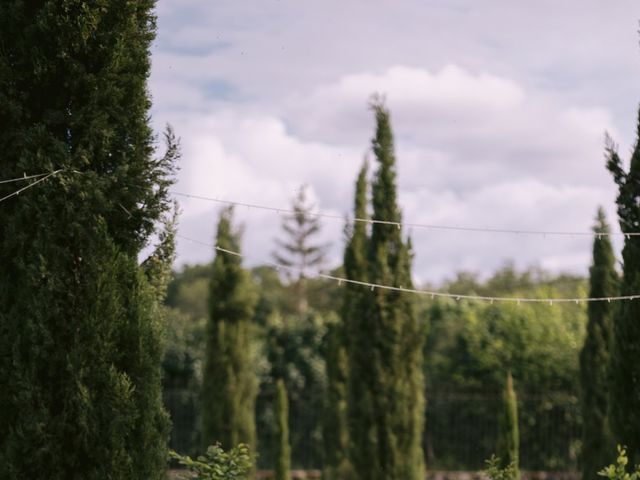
x: 499, y: 110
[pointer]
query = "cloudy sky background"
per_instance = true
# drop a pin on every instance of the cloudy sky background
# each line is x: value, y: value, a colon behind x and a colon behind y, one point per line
x: 499, y: 110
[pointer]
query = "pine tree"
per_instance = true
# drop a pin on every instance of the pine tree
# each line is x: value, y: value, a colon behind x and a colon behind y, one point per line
x: 625, y: 351
x: 508, y: 446
x: 597, y: 443
x: 386, y: 386
x: 229, y: 384
x: 297, y: 250
x: 282, y: 447
x: 80, y: 324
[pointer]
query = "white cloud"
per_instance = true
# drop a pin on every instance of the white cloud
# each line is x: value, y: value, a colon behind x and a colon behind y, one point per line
x: 495, y: 125
x: 485, y: 178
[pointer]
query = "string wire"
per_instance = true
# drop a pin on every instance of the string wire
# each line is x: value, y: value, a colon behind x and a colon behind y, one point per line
x: 32, y: 184
x: 408, y: 224
x: 42, y: 177
x: 25, y: 177
x: 431, y: 293
x: 371, y: 221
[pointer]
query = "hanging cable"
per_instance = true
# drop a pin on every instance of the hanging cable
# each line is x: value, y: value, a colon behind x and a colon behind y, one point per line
x: 25, y: 177
x: 17, y: 192
x: 408, y: 224
x: 431, y: 293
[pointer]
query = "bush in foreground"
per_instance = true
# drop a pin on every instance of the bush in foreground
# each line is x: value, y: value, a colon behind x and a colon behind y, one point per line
x: 619, y: 470
x: 217, y: 464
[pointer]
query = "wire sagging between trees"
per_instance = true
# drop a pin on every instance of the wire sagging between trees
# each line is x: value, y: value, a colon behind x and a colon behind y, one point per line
x: 432, y: 293
x: 369, y: 221
x: 410, y: 224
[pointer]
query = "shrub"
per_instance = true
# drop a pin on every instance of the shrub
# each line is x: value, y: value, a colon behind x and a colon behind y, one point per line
x: 495, y: 472
x: 619, y: 471
x: 216, y: 464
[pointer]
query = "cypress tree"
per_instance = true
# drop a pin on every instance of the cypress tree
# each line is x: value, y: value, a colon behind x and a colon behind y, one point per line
x: 508, y: 445
x: 625, y: 352
x: 385, y: 375
x: 597, y: 443
x: 80, y: 324
x: 282, y: 446
x: 229, y: 384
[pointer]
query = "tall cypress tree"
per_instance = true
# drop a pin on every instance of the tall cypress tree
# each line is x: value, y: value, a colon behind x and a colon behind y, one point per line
x: 229, y: 384
x: 508, y: 446
x: 79, y: 318
x: 624, y: 365
x: 385, y: 375
x: 282, y: 446
x: 597, y: 443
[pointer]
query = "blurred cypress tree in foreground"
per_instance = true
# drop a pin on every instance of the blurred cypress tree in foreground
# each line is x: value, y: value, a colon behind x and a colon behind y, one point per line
x: 597, y: 443
x: 80, y: 321
x: 282, y: 447
x: 508, y: 446
x: 229, y: 384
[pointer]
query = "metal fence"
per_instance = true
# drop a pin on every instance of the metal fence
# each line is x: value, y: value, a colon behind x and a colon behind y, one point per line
x: 461, y: 429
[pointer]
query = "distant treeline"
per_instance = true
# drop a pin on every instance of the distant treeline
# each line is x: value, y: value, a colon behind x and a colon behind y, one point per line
x: 469, y: 347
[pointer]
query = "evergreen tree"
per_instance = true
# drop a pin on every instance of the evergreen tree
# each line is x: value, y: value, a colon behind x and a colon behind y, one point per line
x: 385, y: 372
x: 229, y: 384
x: 80, y: 324
x: 597, y: 443
x: 625, y: 352
x: 282, y: 447
x: 508, y: 446
x: 297, y: 250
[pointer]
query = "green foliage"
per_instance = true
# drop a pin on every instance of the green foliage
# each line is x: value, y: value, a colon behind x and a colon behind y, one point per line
x: 386, y: 387
x: 184, y: 355
x: 508, y: 445
x: 594, y: 357
x: 216, y: 464
x: 294, y: 350
x: 472, y: 345
x: 282, y: 446
x: 336, y: 419
x: 186, y: 327
x: 625, y: 351
x: 618, y: 471
x: 335, y: 416
x: 495, y: 471
x: 229, y: 381
x: 292, y: 346
x: 80, y: 321
x: 298, y: 250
